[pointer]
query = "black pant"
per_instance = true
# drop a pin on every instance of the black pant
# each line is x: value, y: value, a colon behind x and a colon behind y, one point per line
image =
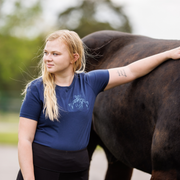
x: 41, y: 174
x: 53, y: 164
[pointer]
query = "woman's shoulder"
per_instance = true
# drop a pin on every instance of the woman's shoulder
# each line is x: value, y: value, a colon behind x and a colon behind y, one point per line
x: 36, y: 83
x: 94, y: 73
x: 85, y: 74
x: 82, y: 76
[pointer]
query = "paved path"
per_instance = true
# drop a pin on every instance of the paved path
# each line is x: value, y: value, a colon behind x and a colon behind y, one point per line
x: 9, y: 165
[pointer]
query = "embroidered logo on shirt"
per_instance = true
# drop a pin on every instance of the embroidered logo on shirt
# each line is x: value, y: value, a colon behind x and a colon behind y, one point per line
x: 78, y: 103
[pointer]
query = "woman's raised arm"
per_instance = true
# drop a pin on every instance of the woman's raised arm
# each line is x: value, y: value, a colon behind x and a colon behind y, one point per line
x: 139, y: 68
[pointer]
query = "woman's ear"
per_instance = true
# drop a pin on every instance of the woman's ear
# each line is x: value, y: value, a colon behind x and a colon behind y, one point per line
x: 75, y: 57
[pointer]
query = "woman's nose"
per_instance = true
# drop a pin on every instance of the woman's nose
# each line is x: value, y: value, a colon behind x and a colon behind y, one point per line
x: 47, y: 57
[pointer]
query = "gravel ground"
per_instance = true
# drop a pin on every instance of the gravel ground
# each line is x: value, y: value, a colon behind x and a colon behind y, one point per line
x: 9, y: 165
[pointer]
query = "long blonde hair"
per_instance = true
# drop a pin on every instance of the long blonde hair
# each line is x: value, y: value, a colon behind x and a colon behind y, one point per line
x: 74, y: 45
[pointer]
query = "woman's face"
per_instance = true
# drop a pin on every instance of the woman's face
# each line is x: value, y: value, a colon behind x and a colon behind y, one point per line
x: 56, y: 58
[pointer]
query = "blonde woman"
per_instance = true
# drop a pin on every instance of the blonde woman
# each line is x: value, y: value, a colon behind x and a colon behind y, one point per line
x: 55, y: 117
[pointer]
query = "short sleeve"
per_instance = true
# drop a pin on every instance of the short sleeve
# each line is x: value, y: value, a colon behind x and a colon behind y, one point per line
x: 98, y: 80
x: 32, y: 105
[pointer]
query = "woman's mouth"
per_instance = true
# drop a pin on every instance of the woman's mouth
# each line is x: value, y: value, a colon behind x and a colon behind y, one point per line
x: 49, y: 65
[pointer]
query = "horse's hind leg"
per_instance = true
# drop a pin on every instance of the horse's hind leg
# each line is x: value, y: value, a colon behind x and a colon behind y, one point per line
x: 164, y: 175
x: 118, y: 171
x: 165, y: 147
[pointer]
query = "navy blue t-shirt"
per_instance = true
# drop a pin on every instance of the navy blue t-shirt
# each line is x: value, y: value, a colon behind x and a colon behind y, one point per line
x: 76, y: 104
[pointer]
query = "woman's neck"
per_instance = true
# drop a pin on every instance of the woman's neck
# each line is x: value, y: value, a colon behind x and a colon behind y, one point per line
x: 64, y: 80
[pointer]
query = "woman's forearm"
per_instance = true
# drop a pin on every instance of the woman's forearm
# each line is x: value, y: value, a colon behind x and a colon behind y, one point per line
x: 26, y: 159
x: 146, y: 65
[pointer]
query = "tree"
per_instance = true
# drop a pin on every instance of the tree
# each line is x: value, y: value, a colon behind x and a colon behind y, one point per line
x: 19, y: 18
x: 18, y: 46
x: 17, y: 58
x: 91, y: 15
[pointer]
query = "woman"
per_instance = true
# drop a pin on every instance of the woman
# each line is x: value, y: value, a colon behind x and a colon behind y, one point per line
x: 55, y: 117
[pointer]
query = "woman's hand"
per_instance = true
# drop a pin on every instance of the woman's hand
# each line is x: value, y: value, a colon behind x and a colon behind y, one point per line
x: 174, y: 53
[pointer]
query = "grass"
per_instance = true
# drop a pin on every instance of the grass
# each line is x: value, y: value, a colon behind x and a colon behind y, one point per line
x: 9, y: 117
x: 9, y: 137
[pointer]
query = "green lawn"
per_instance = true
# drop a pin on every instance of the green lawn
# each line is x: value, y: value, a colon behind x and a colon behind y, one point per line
x: 8, y: 138
x: 7, y: 134
x: 9, y: 117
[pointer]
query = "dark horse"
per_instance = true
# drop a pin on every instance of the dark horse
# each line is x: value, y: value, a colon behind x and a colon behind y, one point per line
x: 137, y: 124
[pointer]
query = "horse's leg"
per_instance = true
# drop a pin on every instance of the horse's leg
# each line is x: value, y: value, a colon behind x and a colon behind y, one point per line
x: 118, y: 171
x: 93, y: 142
x: 164, y: 175
x: 165, y: 146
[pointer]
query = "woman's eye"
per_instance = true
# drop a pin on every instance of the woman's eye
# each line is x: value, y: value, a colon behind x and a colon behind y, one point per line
x: 55, y: 54
x: 45, y: 53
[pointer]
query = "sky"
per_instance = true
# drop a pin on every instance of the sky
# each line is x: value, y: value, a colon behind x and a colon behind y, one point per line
x: 154, y: 18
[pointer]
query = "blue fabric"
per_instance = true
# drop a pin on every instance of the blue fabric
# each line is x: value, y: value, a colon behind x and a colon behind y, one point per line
x: 76, y: 103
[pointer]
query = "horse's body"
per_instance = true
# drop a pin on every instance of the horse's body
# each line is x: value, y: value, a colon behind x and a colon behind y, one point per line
x: 138, y: 123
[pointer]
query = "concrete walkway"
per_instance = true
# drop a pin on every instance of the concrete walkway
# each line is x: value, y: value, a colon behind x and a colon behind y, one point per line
x: 9, y: 165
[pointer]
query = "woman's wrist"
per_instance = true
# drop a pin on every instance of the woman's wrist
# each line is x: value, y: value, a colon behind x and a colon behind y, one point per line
x: 172, y: 54
x: 168, y: 54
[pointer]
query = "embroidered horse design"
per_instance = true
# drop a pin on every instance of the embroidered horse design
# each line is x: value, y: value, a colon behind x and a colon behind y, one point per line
x: 78, y: 103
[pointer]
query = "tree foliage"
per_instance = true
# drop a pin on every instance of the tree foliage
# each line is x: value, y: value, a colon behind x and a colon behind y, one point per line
x: 17, y: 58
x: 90, y: 16
x: 19, y: 21
x: 17, y: 47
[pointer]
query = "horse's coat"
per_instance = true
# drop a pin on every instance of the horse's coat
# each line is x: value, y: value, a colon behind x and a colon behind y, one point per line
x: 138, y: 123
